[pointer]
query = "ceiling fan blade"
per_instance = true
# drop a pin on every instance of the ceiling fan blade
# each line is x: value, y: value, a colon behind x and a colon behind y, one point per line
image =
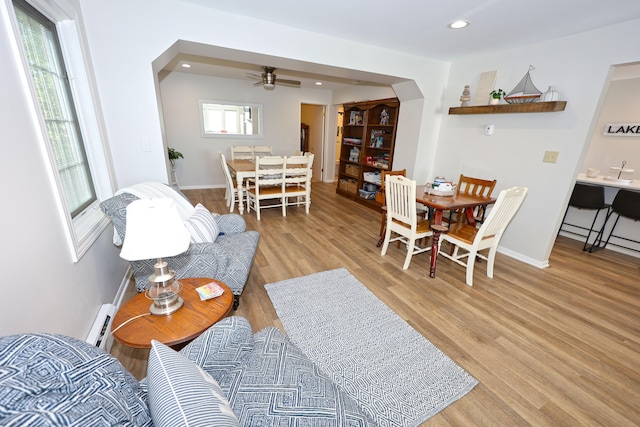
x: 294, y: 83
x: 254, y: 76
x: 258, y: 83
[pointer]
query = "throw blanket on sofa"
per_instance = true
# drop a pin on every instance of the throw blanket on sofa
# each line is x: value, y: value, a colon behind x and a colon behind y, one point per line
x: 156, y: 190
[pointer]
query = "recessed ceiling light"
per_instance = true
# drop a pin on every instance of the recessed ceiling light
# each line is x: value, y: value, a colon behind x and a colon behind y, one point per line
x: 318, y: 83
x: 458, y: 24
x: 186, y: 65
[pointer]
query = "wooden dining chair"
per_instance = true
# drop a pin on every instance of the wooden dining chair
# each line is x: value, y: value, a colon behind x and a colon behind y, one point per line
x: 231, y: 193
x: 473, y: 240
x: 268, y: 184
x: 298, y: 181
x: 262, y: 150
x: 241, y: 152
x: 475, y: 187
x: 402, y: 217
x: 380, y: 196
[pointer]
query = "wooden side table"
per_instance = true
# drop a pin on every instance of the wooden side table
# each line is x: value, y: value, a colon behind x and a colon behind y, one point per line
x: 193, y: 318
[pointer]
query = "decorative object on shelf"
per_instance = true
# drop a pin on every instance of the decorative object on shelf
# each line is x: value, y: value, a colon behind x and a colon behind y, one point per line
x: 466, y: 96
x: 155, y: 230
x: 496, y: 96
x: 550, y: 95
x: 384, y: 117
x: 525, y: 91
x: 486, y: 83
x: 592, y: 173
x: 619, y: 170
x: 355, y: 118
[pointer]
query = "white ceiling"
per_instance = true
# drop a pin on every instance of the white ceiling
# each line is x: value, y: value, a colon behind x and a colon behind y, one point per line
x: 419, y: 27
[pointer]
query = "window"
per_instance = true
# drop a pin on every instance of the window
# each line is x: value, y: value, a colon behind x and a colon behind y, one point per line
x: 64, y: 111
x: 230, y: 119
x: 43, y: 51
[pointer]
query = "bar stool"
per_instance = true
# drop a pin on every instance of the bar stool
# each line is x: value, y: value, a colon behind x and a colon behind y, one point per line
x: 586, y: 197
x: 626, y: 204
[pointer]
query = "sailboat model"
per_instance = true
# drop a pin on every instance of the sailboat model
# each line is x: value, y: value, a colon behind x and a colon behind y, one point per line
x: 525, y: 91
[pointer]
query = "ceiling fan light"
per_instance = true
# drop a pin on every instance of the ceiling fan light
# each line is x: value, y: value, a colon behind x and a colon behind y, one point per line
x: 269, y: 86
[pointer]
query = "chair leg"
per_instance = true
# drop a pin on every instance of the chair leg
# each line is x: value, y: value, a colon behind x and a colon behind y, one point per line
x: 385, y: 245
x: 598, y: 241
x: 491, y: 260
x: 383, y: 227
x: 410, y: 247
x: 471, y: 262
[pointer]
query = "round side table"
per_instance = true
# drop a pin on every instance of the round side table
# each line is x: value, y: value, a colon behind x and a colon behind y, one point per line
x: 192, y: 319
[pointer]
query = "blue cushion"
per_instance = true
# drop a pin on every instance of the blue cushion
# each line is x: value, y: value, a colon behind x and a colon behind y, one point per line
x: 54, y: 380
x: 182, y: 394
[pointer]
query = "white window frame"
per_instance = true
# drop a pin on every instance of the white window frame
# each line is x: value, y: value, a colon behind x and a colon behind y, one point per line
x: 225, y: 106
x: 83, y: 230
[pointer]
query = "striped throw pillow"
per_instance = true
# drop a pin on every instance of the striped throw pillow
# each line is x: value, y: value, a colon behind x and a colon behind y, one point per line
x: 202, y: 226
x: 182, y: 394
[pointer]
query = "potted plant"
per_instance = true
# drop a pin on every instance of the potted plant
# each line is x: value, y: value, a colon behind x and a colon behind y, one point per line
x: 173, y: 156
x: 496, y: 96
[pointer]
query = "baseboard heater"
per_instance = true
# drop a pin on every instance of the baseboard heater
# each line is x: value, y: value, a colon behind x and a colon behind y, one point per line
x: 100, y: 334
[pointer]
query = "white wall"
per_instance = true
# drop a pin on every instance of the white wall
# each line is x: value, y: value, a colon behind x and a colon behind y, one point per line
x: 200, y: 168
x: 43, y: 290
x: 513, y: 155
x: 150, y: 27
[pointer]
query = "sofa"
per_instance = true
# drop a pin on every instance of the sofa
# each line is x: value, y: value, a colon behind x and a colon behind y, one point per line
x: 221, y: 248
x: 228, y: 376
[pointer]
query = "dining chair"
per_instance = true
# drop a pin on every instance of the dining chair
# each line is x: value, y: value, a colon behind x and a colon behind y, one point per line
x: 475, y: 187
x: 241, y: 152
x: 262, y: 150
x: 268, y: 184
x: 626, y: 204
x: 298, y: 181
x: 402, y: 217
x: 472, y: 240
x: 589, y: 197
x: 231, y: 193
x: 381, y: 199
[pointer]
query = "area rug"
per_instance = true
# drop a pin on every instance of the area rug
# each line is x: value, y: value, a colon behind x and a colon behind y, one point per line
x: 396, y: 375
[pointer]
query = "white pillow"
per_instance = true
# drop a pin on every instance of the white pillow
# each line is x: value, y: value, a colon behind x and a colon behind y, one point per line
x: 182, y: 394
x: 202, y: 226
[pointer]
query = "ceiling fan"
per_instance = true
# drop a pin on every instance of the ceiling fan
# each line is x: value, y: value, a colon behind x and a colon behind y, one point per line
x: 268, y: 79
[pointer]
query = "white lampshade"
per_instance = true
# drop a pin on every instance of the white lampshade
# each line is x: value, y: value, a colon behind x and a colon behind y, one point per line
x: 154, y: 230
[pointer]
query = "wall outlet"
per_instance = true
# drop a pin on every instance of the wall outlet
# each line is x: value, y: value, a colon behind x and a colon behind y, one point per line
x: 551, y: 156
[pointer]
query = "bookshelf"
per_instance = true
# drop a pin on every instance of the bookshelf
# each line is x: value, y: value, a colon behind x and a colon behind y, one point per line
x: 368, y: 143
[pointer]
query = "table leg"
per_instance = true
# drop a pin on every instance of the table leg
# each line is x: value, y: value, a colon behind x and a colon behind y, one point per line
x: 437, y: 229
x: 240, y: 190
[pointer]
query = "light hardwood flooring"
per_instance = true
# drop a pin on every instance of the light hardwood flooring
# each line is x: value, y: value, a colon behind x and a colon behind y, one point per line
x: 550, y: 347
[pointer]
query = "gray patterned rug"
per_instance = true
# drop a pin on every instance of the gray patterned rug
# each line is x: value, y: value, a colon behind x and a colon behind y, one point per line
x: 395, y: 374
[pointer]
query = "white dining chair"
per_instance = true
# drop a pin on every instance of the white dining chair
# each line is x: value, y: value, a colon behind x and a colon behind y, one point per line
x: 241, y: 152
x: 262, y: 150
x: 473, y: 240
x: 231, y: 193
x: 402, y: 217
x: 268, y: 184
x: 298, y: 181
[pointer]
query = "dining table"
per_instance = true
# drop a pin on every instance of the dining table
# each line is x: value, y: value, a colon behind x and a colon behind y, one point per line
x: 242, y: 169
x: 437, y: 204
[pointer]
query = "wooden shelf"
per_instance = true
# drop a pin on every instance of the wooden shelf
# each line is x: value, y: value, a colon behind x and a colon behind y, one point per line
x: 533, y: 107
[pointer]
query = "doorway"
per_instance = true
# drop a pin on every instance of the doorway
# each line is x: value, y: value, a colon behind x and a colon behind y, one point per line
x: 313, y: 116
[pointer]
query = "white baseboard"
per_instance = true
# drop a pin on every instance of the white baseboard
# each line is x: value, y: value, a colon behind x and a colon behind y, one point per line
x: 523, y: 258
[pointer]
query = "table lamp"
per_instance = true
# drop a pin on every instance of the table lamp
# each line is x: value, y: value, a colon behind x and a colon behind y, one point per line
x: 155, y: 230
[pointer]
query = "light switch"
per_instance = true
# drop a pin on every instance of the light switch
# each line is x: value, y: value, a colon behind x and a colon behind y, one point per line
x: 551, y: 156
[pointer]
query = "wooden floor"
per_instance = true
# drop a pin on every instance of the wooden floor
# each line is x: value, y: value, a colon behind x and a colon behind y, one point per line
x: 550, y: 347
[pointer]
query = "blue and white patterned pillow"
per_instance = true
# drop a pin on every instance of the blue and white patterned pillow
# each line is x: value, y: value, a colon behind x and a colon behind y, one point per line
x: 181, y: 393
x: 54, y: 380
x: 202, y: 226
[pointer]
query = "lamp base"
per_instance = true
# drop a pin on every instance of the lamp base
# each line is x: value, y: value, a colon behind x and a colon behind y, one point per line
x: 167, y: 306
